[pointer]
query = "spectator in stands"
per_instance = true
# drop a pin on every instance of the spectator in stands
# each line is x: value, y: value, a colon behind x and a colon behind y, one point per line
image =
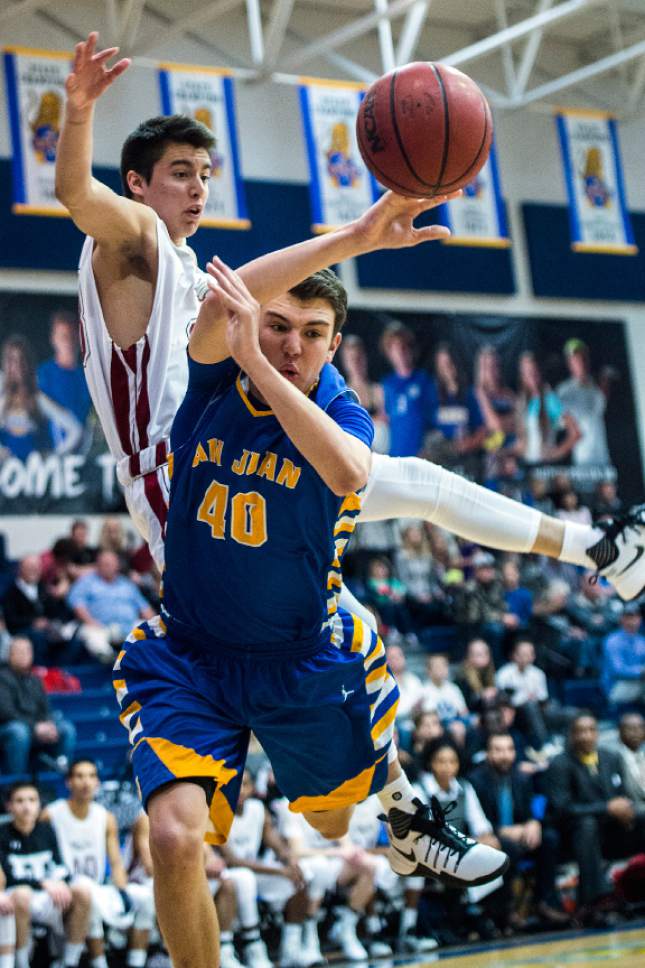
x: 499, y: 717
x: 623, y: 670
x: 83, y: 555
x: 114, y: 537
x: 570, y: 508
x: 39, y: 611
x: 631, y: 746
x: 38, y: 880
x: 606, y: 502
x: 410, y: 687
x: 62, y: 378
x: 408, y: 392
x: 386, y: 594
x: 538, y: 495
x: 595, y: 609
x: 519, y: 600
x: 88, y: 837
x: 459, y: 427
x: 547, y: 431
x: 506, y: 796
x: 475, y: 677
x: 425, y: 599
x: 480, y: 606
x: 527, y: 690
x: 443, y: 696
x: 584, y: 399
x: 496, y: 401
x: 108, y: 601
x: 590, y: 805
x: 26, y: 722
x: 426, y: 726
x: 26, y: 413
x: 354, y: 363
x: 564, y: 646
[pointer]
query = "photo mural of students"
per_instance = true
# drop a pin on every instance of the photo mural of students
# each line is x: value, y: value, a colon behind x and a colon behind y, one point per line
x: 409, y: 392
x: 61, y: 378
x: 548, y: 432
x: 354, y: 364
x: 458, y: 426
x: 586, y: 401
x: 29, y: 419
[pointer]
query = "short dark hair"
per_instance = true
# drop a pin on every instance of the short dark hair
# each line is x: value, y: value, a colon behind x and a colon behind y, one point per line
x: 326, y: 285
x: 496, y: 734
x: 20, y: 785
x: 433, y: 746
x: 582, y: 714
x: 78, y: 761
x: 144, y: 147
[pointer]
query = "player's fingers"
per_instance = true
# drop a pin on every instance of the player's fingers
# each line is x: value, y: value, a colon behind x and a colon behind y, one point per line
x: 234, y: 278
x: 90, y: 44
x: 431, y: 232
x: 104, y: 55
x: 78, y: 56
x: 118, y: 69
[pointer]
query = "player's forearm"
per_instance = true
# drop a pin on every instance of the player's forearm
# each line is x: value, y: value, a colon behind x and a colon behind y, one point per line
x: 341, y: 460
x: 74, y: 156
x: 273, y: 274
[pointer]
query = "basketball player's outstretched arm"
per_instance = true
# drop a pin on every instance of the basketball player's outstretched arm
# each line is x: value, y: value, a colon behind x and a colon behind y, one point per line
x: 342, y: 460
x: 109, y: 218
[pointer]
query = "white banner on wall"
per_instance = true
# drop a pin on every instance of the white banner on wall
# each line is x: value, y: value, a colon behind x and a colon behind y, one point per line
x: 340, y: 185
x: 207, y: 95
x: 478, y: 217
x: 593, y: 174
x: 35, y: 81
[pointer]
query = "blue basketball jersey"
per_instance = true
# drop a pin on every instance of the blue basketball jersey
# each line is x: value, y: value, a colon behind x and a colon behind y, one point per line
x: 254, y: 535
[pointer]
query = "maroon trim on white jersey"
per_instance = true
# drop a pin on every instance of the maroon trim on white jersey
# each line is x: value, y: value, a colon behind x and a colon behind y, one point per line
x: 120, y: 393
x: 156, y: 499
x: 143, y: 402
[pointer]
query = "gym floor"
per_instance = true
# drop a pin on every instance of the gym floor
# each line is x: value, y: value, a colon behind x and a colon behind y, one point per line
x: 624, y: 948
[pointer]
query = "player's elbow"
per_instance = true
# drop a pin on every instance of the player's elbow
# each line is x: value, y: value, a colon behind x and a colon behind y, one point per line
x: 349, y: 477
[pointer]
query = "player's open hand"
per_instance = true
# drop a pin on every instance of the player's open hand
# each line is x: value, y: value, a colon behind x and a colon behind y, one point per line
x: 243, y: 326
x: 90, y: 75
x: 59, y: 892
x: 389, y: 223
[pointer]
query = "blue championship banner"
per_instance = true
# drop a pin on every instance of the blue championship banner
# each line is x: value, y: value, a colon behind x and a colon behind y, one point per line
x: 35, y: 82
x: 478, y: 217
x: 593, y: 173
x: 206, y: 94
x: 340, y: 185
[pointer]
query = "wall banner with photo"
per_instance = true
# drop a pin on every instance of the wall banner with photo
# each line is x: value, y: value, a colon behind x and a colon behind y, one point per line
x: 593, y: 173
x: 340, y: 185
x: 207, y: 95
x: 53, y: 456
x: 478, y: 217
x: 503, y: 400
x: 35, y: 81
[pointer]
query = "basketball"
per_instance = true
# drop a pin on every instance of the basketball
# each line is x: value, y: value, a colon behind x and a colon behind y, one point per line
x: 424, y: 129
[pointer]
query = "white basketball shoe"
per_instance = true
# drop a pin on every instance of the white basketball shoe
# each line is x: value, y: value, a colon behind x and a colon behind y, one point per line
x: 620, y: 553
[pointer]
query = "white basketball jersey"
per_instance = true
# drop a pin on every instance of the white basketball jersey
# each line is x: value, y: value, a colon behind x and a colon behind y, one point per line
x: 245, y: 837
x: 136, y: 392
x: 81, y: 842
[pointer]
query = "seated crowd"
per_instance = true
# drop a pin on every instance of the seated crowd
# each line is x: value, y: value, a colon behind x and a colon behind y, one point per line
x: 496, y: 660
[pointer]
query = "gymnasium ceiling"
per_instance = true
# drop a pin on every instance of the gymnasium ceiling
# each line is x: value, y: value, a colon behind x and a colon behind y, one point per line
x: 523, y: 52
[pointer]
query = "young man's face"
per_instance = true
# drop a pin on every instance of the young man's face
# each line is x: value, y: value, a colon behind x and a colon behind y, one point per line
x: 297, y: 338
x: 178, y: 188
x: 24, y: 807
x: 83, y: 783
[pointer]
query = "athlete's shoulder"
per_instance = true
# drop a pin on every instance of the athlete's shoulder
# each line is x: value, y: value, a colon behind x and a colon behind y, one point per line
x: 331, y: 385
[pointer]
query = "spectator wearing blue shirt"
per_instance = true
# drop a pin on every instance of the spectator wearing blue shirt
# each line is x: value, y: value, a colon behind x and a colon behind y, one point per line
x: 107, y: 600
x: 623, y: 673
x: 519, y: 600
x: 62, y: 378
x: 409, y: 397
x: 459, y: 418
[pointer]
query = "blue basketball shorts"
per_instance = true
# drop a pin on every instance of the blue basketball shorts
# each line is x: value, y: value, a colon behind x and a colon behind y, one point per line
x: 325, y: 721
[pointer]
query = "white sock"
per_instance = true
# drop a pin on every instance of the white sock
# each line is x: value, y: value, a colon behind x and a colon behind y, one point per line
x: 7, y: 961
x: 577, y: 538
x: 22, y: 957
x: 408, y: 920
x: 310, y: 932
x: 408, y: 487
x: 398, y: 793
x: 7, y: 935
x: 136, y: 958
x: 99, y: 962
x: 72, y: 953
x: 291, y: 932
x: 226, y: 937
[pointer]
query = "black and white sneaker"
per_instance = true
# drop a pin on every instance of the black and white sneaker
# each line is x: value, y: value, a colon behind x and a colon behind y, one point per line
x: 620, y: 554
x: 424, y: 845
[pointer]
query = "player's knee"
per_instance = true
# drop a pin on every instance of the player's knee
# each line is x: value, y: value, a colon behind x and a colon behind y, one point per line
x: 81, y: 896
x: 175, y: 842
x: 21, y: 897
x: 332, y: 824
